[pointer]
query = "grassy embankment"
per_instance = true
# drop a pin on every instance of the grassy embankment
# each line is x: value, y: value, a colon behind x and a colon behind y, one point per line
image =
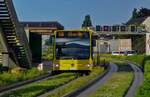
x: 7, y: 78
x: 144, y: 62
x: 37, y: 88
x: 81, y: 81
x: 117, y: 85
x: 139, y: 59
x: 144, y: 90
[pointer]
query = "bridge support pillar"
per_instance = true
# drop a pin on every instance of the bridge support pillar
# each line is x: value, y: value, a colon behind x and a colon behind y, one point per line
x: 6, y: 60
x: 147, y: 43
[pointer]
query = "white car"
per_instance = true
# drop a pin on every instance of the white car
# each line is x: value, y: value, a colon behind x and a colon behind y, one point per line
x: 115, y: 53
x: 130, y: 53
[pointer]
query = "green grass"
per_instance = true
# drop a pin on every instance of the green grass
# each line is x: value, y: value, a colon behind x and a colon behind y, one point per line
x: 7, y: 78
x: 81, y: 81
x: 147, y: 67
x: 139, y: 59
x: 144, y: 62
x: 117, y: 85
x: 144, y: 90
x: 35, y: 89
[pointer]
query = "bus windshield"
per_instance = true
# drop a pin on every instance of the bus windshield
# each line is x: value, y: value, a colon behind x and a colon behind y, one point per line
x: 72, y: 48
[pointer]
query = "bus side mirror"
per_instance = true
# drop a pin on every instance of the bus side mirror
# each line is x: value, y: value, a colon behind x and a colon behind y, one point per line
x: 93, y: 42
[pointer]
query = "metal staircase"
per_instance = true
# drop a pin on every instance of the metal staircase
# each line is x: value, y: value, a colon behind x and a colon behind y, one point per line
x: 14, y: 35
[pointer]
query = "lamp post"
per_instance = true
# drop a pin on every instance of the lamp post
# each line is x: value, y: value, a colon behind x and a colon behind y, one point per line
x: 98, y: 60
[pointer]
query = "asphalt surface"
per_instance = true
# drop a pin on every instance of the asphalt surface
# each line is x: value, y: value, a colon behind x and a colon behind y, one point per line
x: 93, y: 88
x: 137, y: 81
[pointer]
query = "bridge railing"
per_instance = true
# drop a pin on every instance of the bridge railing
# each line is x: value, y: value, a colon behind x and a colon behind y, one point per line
x: 121, y: 28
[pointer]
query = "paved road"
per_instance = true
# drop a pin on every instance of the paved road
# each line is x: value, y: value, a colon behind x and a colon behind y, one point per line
x: 93, y: 88
x: 138, y: 80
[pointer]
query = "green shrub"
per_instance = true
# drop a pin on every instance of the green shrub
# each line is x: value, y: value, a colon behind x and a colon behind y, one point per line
x: 139, y: 59
x: 144, y: 90
x: 147, y: 67
x: 10, y: 78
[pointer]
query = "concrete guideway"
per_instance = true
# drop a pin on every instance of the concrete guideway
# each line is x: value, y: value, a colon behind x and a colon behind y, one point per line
x: 77, y: 91
x: 93, y: 88
x: 137, y: 81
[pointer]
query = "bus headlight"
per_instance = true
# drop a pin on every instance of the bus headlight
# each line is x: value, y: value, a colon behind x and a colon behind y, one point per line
x: 56, y: 65
x: 88, y: 65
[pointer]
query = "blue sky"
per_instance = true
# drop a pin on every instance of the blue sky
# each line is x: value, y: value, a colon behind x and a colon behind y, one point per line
x: 71, y: 13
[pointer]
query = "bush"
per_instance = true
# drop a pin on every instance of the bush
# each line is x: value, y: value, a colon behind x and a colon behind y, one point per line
x: 143, y: 91
x: 147, y: 67
x: 139, y: 59
x: 16, y: 76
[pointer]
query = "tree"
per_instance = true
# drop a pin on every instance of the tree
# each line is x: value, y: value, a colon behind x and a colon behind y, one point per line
x: 87, y: 22
x: 143, y: 12
x: 47, y: 42
x: 135, y: 13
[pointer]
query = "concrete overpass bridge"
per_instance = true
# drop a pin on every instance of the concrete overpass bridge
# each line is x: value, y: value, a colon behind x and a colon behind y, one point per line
x: 120, y: 33
x: 104, y: 37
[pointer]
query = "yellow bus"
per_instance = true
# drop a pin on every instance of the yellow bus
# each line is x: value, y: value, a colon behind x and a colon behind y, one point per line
x: 73, y: 51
